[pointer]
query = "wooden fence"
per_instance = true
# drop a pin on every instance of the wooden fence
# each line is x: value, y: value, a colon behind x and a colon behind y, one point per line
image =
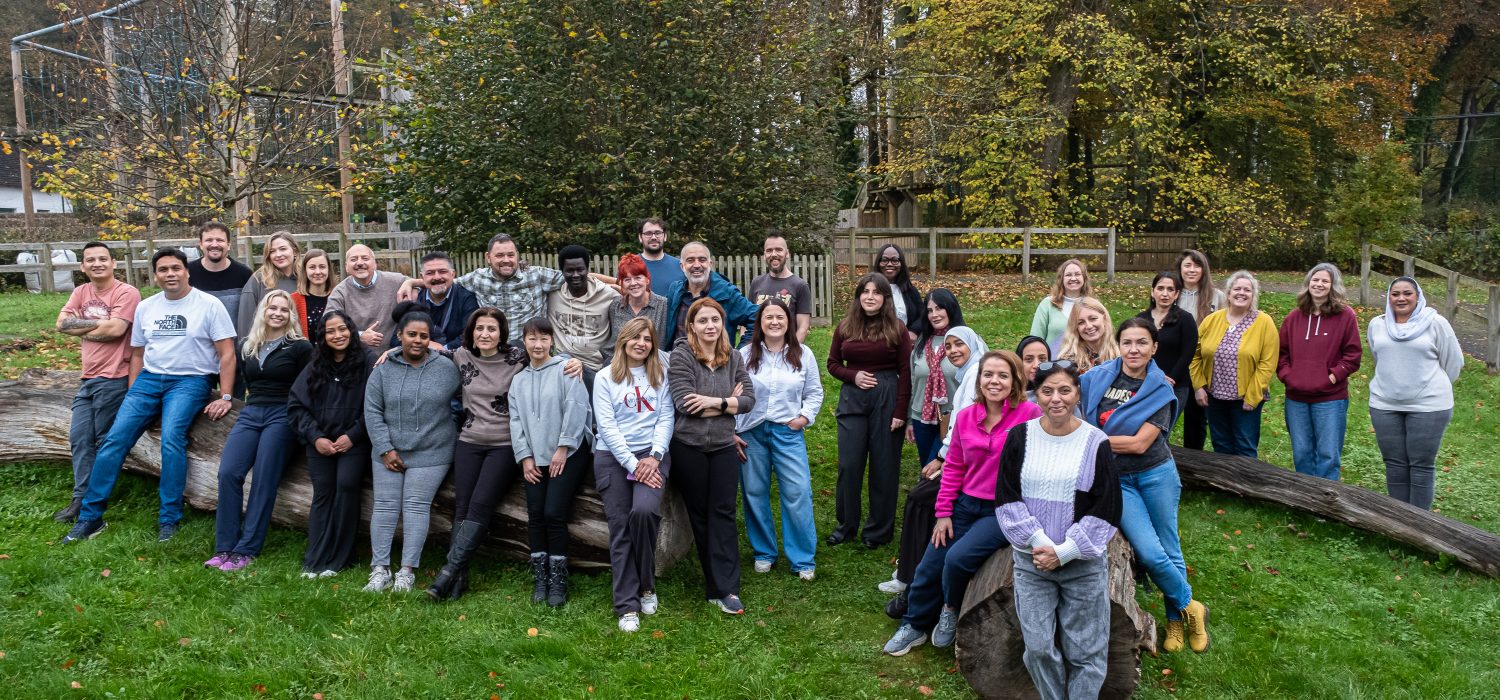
x: 935, y: 242
x: 1451, y: 306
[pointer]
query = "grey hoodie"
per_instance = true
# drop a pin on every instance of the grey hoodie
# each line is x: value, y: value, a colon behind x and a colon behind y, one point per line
x: 408, y: 409
x: 548, y: 409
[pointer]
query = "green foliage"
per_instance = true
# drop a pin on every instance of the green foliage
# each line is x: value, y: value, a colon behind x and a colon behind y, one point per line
x: 567, y: 121
x: 1374, y: 203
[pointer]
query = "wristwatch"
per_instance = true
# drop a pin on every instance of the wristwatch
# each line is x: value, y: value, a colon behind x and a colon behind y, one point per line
x: 226, y: 397
x: 723, y: 404
x: 656, y: 455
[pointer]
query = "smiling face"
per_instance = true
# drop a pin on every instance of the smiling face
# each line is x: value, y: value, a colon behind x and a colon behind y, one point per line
x: 636, y: 286
x: 1057, y: 395
x: 1320, y: 285
x: 1242, y: 294
x: 278, y: 313
x: 707, y: 326
x: 890, y: 263
x: 360, y: 262
x: 696, y: 264
x: 995, y: 380
x: 438, y: 274
x: 1165, y: 293
x: 871, y: 300
x: 98, y: 264
x: 414, y: 339
x: 1403, y: 299
x: 214, y: 244
x: 336, y: 334
x: 283, y: 257
x: 171, y: 276
x: 486, y: 334
x: 775, y: 254
x: 1136, y: 349
x: 538, y: 346
x: 773, y: 323
x: 1072, y: 279
x: 1191, y: 272
x: 937, y: 315
x: 958, y: 351
x: 1031, y: 356
x: 503, y: 258
x: 640, y: 347
x: 317, y: 272
x: 575, y: 272
x: 1090, y: 325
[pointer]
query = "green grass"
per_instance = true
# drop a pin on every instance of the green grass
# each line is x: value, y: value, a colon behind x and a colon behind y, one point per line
x: 1345, y: 614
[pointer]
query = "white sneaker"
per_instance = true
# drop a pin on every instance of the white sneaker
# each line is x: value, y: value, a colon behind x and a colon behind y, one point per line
x: 630, y: 622
x: 806, y: 574
x: 309, y: 574
x: 649, y: 603
x: 327, y: 573
x: 405, y: 581
x: 893, y: 586
x: 762, y: 567
x: 380, y: 580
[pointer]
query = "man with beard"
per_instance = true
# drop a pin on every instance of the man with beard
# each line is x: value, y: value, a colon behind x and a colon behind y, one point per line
x: 779, y: 282
x: 447, y: 303
x: 665, y: 270
x: 368, y: 296
x: 700, y: 280
x: 580, y: 310
x: 215, y: 272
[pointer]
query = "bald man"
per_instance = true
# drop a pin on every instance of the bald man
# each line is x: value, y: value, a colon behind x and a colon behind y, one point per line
x: 368, y: 296
x: 699, y: 280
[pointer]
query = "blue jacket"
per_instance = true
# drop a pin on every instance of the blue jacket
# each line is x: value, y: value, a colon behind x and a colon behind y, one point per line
x: 449, y: 319
x: 738, y: 311
x: 1128, y: 418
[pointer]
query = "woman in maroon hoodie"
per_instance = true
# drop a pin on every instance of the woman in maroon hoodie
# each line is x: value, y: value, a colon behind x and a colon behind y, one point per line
x: 1319, y: 350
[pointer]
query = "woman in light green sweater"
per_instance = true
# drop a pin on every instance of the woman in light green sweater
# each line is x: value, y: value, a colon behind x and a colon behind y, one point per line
x: 1051, y: 317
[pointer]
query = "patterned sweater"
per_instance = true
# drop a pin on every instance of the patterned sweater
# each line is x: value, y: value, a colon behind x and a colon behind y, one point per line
x: 1058, y: 491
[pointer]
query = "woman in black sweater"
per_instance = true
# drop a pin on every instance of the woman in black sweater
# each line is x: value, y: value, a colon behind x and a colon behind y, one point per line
x: 1177, y: 335
x: 272, y: 355
x: 327, y: 411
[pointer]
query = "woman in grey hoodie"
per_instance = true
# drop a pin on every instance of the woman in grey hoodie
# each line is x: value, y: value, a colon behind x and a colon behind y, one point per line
x: 549, y: 432
x: 412, y: 431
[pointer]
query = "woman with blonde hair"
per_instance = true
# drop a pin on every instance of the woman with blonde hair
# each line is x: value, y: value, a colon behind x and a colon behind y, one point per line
x: 1051, y: 318
x: 278, y: 270
x: 1238, y: 348
x: 1088, y: 340
x: 315, y: 280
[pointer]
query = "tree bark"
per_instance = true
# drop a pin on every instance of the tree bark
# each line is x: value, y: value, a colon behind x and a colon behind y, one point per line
x: 989, y: 642
x: 35, y: 412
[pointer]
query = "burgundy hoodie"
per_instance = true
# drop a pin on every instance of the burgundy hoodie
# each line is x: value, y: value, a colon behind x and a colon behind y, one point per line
x: 1312, y: 347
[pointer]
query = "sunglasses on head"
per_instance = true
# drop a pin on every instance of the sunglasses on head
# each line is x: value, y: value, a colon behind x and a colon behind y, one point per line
x: 1060, y: 364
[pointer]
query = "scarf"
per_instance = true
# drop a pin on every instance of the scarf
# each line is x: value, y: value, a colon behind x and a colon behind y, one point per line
x: 964, y: 393
x: 936, y: 391
x: 1417, y: 323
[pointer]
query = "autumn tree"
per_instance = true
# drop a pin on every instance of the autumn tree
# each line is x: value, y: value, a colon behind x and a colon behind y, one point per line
x: 1375, y: 203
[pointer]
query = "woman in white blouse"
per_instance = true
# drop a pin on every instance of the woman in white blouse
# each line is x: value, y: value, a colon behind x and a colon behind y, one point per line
x: 785, y: 375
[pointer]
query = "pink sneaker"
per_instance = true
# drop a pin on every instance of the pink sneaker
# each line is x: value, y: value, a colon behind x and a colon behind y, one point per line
x: 236, y: 562
x: 217, y: 560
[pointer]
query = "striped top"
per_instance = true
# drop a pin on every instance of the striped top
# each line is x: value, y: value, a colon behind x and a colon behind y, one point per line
x: 1059, y: 491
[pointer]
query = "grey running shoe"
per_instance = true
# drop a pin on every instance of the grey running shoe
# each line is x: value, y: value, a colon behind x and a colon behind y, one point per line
x: 906, y: 639
x: 942, y: 635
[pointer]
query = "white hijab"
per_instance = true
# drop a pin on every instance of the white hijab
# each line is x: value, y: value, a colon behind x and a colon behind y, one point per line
x: 964, y: 394
x: 1416, y: 324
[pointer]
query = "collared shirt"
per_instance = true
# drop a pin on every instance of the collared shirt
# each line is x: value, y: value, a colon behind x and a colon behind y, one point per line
x: 521, y: 297
x: 374, y: 280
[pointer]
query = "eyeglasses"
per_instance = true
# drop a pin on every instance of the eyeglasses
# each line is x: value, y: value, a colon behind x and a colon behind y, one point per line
x: 653, y: 234
x: 890, y: 261
x: 1060, y: 364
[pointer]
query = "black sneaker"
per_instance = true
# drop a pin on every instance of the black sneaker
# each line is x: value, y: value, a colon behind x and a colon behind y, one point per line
x: 69, y: 513
x: 730, y: 604
x: 84, y: 530
x: 166, y: 531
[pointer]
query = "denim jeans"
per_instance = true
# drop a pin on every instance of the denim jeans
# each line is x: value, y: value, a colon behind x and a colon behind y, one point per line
x: 773, y: 447
x: 94, y: 408
x: 177, y: 399
x: 1148, y: 517
x: 1233, y: 430
x: 929, y: 440
x: 1317, y: 433
x: 1064, y: 616
x: 944, y: 574
x: 261, y: 440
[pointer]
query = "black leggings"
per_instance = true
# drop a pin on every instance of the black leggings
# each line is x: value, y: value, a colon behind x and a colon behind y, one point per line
x: 481, y: 476
x: 916, y: 526
x: 549, y: 503
x: 709, y: 480
x: 333, y: 520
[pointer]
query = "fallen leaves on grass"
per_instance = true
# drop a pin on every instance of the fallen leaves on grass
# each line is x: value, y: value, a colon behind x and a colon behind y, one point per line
x: 924, y: 690
x: 1273, y: 571
x: 105, y: 573
x: 75, y: 685
x: 531, y: 632
x: 69, y: 664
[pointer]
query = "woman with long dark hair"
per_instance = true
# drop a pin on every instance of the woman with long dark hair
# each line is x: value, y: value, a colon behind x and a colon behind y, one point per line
x: 1320, y: 348
x: 933, y: 376
x: 327, y: 412
x: 1177, y: 336
x: 906, y: 301
x: 1199, y: 298
x: 869, y: 355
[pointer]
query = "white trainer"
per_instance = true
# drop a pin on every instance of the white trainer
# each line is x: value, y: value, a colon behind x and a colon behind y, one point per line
x: 630, y: 622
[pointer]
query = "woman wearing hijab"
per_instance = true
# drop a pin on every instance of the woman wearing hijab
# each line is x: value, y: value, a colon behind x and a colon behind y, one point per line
x: 1417, y: 358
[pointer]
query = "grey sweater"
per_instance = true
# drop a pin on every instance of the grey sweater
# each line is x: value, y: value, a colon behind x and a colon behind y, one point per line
x: 408, y: 409
x: 548, y: 409
x: 686, y: 375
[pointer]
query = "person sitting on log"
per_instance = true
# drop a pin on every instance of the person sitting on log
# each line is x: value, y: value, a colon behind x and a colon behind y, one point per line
x: 181, y: 339
x: 1131, y: 400
x: 1059, y: 499
x: 484, y: 461
x: 1086, y: 341
x: 274, y: 353
x: 966, y: 532
x: 633, y: 410
x: 327, y: 411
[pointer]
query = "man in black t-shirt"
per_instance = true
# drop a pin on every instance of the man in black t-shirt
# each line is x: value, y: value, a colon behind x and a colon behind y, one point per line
x: 216, y: 273
x: 781, y: 283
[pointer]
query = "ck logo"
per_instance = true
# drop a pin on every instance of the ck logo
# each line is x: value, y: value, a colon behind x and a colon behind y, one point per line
x: 638, y: 401
x: 172, y: 324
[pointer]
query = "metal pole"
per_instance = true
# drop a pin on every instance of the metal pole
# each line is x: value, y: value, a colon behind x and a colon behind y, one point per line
x: 18, y: 89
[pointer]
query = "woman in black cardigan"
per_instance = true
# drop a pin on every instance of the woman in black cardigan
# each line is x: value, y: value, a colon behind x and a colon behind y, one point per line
x: 890, y: 261
x: 1177, y: 335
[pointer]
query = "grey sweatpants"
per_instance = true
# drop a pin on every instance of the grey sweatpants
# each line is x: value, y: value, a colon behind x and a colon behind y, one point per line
x: 406, y: 495
x: 1075, y: 598
x: 633, y: 511
x: 1409, y: 445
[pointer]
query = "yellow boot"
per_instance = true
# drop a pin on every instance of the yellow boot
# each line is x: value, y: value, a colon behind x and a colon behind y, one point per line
x: 1173, y: 643
x: 1196, y: 616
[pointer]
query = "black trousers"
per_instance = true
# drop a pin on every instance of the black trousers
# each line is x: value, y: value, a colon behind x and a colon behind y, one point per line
x: 1194, y: 424
x: 333, y: 521
x: 916, y: 526
x: 481, y: 476
x: 709, y: 482
x: 865, y: 437
x: 549, y: 503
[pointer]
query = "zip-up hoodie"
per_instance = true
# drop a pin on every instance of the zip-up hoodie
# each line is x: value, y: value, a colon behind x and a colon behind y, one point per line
x: 408, y: 408
x: 1312, y: 347
x: 548, y: 409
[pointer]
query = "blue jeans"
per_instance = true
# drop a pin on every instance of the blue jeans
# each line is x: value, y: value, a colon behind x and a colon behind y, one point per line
x: 1148, y: 517
x: 1317, y: 433
x: 1233, y: 430
x: 943, y: 576
x: 260, y: 440
x: 773, y: 447
x: 929, y: 440
x: 94, y: 408
x: 177, y: 399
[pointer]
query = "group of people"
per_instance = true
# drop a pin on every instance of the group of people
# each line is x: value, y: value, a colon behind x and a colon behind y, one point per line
x: 523, y: 372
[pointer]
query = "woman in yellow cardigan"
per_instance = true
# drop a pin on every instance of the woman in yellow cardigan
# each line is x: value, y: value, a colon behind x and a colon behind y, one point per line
x: 1237, y: 350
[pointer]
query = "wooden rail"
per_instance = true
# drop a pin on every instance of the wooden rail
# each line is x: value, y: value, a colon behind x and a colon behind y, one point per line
x: 1451, y: 306
x: 1025, y: 252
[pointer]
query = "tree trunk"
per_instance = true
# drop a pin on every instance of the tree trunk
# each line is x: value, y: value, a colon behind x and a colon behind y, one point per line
x: 1351, y: 505
x: 989, y: 643
x: 35, y: 412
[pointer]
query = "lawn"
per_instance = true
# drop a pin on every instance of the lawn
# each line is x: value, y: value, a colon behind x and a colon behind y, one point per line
x: 1301, y: 607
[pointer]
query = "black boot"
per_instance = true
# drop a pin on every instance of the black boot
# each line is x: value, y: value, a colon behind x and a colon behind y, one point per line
x: 69, y: 513
x: 557, y: 581
x: 896, y: 607
x: 466, y: 537
x: 539, y: 576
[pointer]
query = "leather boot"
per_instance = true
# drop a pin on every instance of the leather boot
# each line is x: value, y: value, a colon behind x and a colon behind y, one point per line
x: 466, y: 537
x: 557, y: 581
x: 539, y: 576
x: 69, y: 512
x: 896, y: 607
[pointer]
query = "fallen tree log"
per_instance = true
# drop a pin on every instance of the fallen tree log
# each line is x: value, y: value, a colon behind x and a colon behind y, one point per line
x: 989, y: 643
x: 1351, y: 505
x: 35, y: 412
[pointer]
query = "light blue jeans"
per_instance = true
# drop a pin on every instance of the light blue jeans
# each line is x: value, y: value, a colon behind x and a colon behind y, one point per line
x: 177, y: 399
x: 1148, y: 517
x: 1317, y: 433
x: 773, y: 447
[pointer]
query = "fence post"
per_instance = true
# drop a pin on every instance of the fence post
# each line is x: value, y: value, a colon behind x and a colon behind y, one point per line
x: 1451, y: 307
x: 46, y: 280
x: 1110, y: 263
x: 1409, y: 266
x: 1492, y: 321
x: 130, y: 263
x: 1026, y: 255
x: 932, y: 247
x: 851, y: 251
x: 1364, y: 275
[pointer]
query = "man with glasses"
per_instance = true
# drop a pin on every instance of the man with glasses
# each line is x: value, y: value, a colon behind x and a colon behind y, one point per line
x: 666, y: 270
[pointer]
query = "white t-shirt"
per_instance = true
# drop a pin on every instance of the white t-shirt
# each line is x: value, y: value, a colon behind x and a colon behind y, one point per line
x: 899, y: 302
x: 179, y: 335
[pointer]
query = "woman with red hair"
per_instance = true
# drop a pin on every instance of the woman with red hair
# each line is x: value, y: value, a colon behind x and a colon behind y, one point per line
x: 636, y: 300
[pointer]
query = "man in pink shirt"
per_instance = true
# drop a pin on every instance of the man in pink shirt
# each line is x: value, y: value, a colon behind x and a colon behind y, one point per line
x: 99, y: 314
